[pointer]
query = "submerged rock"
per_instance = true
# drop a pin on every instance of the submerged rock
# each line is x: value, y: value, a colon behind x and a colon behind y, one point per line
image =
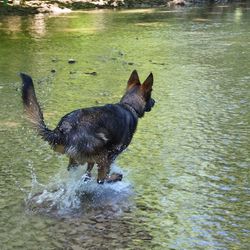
x: 71, y: 61
x: 91, y: 73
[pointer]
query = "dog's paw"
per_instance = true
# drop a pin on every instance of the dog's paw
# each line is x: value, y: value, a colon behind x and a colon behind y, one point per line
x: 100, y: 181
x: 114, y: 177
x: 111, y: 178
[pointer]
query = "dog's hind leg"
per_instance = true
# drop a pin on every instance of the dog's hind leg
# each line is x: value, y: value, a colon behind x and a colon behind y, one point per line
x: 72, y: 163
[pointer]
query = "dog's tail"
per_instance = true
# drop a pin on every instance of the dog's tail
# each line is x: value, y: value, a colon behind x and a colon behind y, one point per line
x: 34, y: 112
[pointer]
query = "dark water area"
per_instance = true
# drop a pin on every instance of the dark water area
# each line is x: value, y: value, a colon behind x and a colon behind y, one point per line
x: 186, y: 172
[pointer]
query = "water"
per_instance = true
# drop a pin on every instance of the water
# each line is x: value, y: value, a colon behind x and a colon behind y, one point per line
x: 73, y: 195
x: 186, y: 173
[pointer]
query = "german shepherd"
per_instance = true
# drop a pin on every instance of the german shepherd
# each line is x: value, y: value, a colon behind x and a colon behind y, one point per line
x: 97, y: 134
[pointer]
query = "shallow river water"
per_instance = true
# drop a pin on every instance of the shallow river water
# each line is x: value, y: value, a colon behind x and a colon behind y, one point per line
x: 186, y: 173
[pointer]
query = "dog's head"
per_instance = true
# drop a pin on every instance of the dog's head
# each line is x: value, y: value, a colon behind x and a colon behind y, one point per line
x: 138, y: 96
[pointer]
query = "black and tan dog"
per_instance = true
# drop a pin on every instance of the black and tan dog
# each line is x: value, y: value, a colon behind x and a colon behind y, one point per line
x: 97, y: 134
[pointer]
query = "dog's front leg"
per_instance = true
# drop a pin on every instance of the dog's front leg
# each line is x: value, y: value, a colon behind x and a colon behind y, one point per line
x: 102, y: 173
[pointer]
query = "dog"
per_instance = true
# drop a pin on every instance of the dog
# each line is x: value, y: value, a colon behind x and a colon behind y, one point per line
x: 95, y: 135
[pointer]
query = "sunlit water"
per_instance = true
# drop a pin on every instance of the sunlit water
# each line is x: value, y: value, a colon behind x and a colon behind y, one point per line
x: 186, y: 173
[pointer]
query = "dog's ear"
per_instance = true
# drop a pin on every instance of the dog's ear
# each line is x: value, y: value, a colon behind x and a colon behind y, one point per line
x: 133, y: 79
x: 148, y: 83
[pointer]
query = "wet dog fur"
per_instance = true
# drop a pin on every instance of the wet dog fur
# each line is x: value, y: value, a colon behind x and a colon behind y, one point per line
x: 95, y: 135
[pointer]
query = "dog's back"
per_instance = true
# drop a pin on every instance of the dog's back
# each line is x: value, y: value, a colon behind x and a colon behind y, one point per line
x: 93, y: 132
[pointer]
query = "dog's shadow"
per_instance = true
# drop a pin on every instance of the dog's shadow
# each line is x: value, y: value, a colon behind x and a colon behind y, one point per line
x: 68, y: 194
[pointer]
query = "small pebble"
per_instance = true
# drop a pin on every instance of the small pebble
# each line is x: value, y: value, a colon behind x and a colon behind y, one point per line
x: 91, y: 73
x: 71, y: 61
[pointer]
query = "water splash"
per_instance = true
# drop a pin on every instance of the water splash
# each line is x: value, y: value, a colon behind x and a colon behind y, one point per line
x: 68, y: 194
